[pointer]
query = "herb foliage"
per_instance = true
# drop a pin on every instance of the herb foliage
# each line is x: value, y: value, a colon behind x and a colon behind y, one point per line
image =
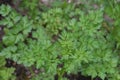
x: 62, y: 39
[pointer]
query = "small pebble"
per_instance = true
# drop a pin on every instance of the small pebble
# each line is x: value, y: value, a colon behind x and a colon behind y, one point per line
x: 36, y: 71
x: 29, y: 76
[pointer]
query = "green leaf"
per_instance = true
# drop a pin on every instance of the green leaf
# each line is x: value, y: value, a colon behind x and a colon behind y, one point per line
x: 5, y: 10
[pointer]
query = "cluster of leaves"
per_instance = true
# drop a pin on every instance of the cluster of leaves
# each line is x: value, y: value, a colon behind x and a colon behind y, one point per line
x: 112, y: 9
x: 5, y: 73
x: 63, y: 39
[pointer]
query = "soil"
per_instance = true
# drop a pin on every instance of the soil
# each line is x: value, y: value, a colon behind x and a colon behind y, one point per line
x: 1, y: 33
x: 5, y: 2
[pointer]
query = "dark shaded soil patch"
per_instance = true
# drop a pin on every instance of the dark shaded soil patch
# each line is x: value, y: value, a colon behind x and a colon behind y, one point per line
x: 1, y: 33
x: 5, y: 2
